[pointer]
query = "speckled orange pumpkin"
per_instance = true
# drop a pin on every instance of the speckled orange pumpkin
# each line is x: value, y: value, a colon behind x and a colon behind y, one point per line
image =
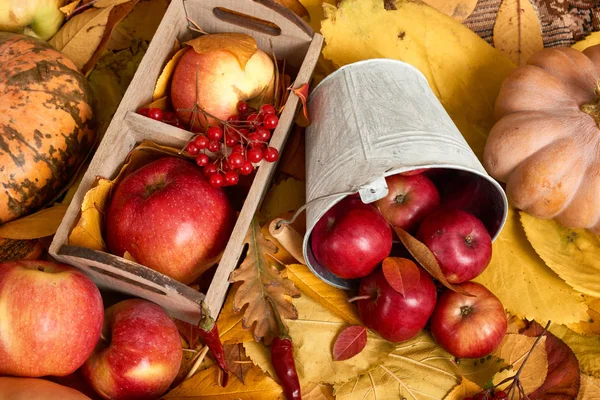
x: 546, y: 142
x: 45, y: 113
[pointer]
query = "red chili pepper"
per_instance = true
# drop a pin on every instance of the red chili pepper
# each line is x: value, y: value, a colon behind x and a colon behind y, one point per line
x: 210, y: 336
x: 282, y: 358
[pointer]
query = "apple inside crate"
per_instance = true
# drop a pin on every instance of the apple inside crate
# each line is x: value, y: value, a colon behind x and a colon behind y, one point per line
x: 134, y: 140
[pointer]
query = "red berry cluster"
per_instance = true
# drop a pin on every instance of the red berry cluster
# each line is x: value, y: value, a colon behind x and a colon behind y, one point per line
x: 242, y: 143
x: 489, y: 395
x: 168, y: 117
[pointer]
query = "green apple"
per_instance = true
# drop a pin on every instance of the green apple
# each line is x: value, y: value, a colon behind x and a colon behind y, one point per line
x: 38, y: 18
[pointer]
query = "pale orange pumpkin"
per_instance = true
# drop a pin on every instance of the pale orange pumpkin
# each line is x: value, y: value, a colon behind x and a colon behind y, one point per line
x: 546, y: 142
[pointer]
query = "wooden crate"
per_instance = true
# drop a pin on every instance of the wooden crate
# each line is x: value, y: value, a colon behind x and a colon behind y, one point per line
x: 290, y: 38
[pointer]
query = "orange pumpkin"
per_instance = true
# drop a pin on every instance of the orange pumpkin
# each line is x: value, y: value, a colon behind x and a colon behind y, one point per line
x: 45, y: 113
x: 546, y: 142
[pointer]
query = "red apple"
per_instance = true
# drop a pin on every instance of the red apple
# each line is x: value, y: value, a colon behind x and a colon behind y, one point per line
x: 36, y: 389
x: 351, y: 239
x: 469, y: 327
x: 216, y: 82
x: 50, y: 318
x: 140, y: 355
x: 389, y: 313
x: 169, y: 218
x: 460, y: 242
x: 410, y: 198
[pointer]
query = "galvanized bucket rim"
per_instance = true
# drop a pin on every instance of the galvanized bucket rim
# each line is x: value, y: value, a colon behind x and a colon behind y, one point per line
x: 359, y: 63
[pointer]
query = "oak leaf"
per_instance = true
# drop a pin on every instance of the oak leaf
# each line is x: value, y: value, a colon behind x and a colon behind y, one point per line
x: 589, y: 388
x: 80, y: 36
x: 466, y: 82
x: 203, y: 386
x: 513, y: 350
x: 574, y: 254
x: 585, y: 348
x: 457, y: 9
x: 262, y: 285
x: 562, y: 381
x: 524, y: 284
x: 517, y: 31
x: 313, y: 335
x: 466, y: 388
x: 242, y: 46
x: 229, y: 322
x: 418, y: 369
x: 34, y: 226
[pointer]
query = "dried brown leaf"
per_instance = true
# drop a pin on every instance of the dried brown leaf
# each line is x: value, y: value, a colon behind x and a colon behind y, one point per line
x: 242, y: 46
x: 238, y: 362
x: 262, y: 285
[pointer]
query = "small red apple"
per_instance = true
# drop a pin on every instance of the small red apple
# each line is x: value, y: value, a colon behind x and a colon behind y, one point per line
x: 410, y: 198
x: 351, y: 239
x: 460, y: 242
x: 169, y: 218
x: 394, y: 316
x: 50, y: 318
x: 469, y: 327
x: 140, y: 355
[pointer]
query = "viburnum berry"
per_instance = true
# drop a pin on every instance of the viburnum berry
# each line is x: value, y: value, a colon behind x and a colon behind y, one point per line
x: 201, y: 141
x: 217, y: 179
x: 271, y: 154
x: 202, y: 159
x: 155, y: 113
x: 231, y: 178
x: 169, y: 117
x: 213, y: 146
x: 242, y: 107
x: 143, y: 111
x: 236, y: 160
x: 192, y: 148
x: 263, y: 133
x: 246, y: 168
x: 210, y: 169
x: 254, y: 155
x: 270, y: 121
x: 230, y: 141
x: 254, y: 137
x: 253, y: 118
x: 500, y: 395
x: 267, y: 109
x: 214, y: 133
x: 238, y: 148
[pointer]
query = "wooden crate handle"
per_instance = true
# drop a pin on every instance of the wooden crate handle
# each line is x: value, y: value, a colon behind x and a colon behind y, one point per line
x: 265, y: 18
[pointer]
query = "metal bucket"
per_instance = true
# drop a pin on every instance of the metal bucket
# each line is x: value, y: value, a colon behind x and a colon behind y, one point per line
x: 373, y: 119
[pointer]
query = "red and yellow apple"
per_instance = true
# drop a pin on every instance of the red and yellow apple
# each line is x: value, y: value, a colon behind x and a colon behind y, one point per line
x: 139, y: 355
x: 215, y: 78
x: 169, y: 218
x: 50, y: 318
x: 36, y: 389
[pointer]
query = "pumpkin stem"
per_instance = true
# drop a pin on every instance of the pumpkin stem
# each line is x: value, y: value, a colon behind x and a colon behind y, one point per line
x: 593, y: 108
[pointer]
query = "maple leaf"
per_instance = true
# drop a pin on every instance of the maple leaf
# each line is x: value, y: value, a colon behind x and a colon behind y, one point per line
x: 262, y: 285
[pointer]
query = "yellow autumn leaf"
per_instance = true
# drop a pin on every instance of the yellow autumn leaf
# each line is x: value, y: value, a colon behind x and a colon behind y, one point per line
x: 589, y: 388
x: 229, y: 322
x: 592, y: 325
x: 242, y: 46
x: 295, y: 6
x: 591, y: 40
x: 162, y: 103
x: 68, y: 8
x: 140, y: 24
x: 164, y: 79
x: 586, y: 348
x: 204, y: 386
x: 514, y: 350
x: 88, y: 231
x: 524, y: 284
x: 317, y: 391
x: 457, y: 9
x: 465, y: 389
x: 81, y: 35
x: 417, y: 369
x: 574, y: 254
x: 315, y: 11
x: 283, y: 197
x: 480, y: 370
x: 40, y: 224
x: 313, y: 335
x: 466, y: 82
x: 332, y: 299
x: 517, y: 30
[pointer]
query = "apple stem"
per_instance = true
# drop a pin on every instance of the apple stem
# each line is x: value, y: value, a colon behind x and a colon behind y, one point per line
x: 199, y: 358
x: 363, y: 297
